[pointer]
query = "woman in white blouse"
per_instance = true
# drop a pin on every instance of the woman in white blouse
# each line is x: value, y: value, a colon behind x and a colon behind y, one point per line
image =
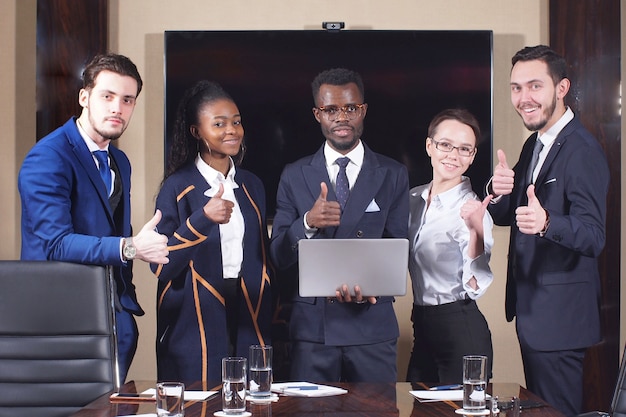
x: 451, y: 240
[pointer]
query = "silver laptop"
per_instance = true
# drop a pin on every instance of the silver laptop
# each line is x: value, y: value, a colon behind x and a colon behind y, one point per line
x: 378, y: 266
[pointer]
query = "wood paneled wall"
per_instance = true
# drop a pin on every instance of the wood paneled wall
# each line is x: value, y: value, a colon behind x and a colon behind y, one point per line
x: 587, y: 34
x: 69, y: 33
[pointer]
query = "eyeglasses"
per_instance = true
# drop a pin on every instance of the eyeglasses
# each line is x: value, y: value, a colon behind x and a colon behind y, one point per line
x: 352, y: 111
x: 447, y: 147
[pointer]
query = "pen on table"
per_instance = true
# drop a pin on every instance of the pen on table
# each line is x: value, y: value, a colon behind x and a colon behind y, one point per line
x: 303, y: 387
x: 446, y: 387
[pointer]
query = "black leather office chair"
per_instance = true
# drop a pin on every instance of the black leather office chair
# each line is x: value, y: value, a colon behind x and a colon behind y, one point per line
x: 57, y: 337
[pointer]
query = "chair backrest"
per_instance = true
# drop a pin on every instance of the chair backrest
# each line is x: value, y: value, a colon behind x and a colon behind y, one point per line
x: 57, y: 337
x: 618, y: 405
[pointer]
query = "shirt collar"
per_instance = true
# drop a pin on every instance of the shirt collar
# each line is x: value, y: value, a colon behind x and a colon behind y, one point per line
x: 213, y: 176
x: 88, y: 141
x: 549, y: 135
x: 450, y: 197
x: 356, y: 155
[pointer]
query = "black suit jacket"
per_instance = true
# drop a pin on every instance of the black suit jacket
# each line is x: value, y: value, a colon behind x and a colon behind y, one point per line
x: 378, y: 207
x: 553, y: 284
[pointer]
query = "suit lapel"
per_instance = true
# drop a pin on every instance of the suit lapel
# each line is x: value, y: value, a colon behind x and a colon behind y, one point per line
x: 554, y: 151
x: 368, y: 183
x: 85, y: 159
x: 316, y: 173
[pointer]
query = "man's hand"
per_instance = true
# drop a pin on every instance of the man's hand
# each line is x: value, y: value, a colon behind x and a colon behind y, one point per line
x: 219, y: 209
x: 150, y: 245
x: 531, y: 219
x: 503, y: 177
x: 324, y: 213
x: 343, y: 296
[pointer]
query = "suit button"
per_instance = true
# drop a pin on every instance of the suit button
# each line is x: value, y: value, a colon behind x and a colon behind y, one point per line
x: 359, y: 233
x: 557, y: 238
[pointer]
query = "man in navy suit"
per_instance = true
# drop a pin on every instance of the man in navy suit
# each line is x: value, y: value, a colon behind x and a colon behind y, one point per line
x: 348, y: 338
x: 555, y: 204
x: 71, y: 212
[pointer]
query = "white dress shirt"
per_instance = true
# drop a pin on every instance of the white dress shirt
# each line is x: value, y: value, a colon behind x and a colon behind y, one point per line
x: 439, y: 264
x: 231, y: 233
x: 353, y: 169
x: 548, y: 138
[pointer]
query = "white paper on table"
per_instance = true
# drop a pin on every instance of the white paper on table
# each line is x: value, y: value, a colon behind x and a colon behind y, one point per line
x: 306, y: 389
x: 140, y: 415
x: 439, y: 395
x: 189, y: 395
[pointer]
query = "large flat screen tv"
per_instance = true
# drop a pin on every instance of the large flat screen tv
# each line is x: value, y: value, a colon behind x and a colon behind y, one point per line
x: 409, y: 76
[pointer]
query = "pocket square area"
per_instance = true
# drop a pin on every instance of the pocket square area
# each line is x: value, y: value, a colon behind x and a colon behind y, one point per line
x: 372, y: 207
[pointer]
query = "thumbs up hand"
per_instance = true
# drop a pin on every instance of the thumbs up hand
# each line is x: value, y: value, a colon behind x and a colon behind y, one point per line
x: 219, y: 209
x: 473, y: 212
x: 503, y: 176
x: 324, y: 213
x: 531, y: 219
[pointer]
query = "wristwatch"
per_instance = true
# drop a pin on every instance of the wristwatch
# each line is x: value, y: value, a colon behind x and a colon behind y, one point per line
x: 128, y: 249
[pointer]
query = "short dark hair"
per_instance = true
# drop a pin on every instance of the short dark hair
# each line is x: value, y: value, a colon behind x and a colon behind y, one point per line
x: 557, y: 66
x: 337, y: 76
x: 110, y: 62
x: 460, y: 115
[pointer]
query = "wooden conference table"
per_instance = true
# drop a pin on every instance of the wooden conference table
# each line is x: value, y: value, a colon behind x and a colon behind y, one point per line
x: 362, y: 399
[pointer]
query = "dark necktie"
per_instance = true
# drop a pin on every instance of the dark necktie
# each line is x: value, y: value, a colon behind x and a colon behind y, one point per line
x: 534, y: 160
x: 103, y: 167
x: 342, y: 188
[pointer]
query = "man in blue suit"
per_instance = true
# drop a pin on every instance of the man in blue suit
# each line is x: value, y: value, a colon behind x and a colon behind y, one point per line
x: 350, y: 338
x: 555, y: 203
x: 73, y: 212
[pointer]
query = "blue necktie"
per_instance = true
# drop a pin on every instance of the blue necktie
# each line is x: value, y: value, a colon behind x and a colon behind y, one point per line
x: 103, y: 167
x: 533, y: 161
x: 342, y: 187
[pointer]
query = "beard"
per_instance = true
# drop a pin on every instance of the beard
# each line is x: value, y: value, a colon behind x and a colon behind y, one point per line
x: 546, y: 116
x: 344, y: 146
x: 107, y: 134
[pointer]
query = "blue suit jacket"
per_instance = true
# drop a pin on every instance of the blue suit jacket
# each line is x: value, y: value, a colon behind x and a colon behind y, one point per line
x: 553, y: 284
x: 66, y: 214
x: 382, y: 180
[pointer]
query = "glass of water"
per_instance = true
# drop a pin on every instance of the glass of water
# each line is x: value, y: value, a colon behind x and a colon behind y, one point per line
x: 234, y: 373
x: 170, y: 398
x: 260, y: 378
x: 474, y: 382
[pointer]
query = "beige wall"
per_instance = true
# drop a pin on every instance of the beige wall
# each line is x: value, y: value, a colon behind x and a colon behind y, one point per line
x: 136, y: 30
x: 140, y: 25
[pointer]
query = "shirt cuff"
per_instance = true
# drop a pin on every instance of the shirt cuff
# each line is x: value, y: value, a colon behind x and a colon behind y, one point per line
x: 494, y: 200
x: 309, y: 231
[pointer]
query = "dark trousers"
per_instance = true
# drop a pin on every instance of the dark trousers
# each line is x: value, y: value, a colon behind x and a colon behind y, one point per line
x: 443, y: 334
x: 127, y: 335
x: 317, y: 362
x: 556, y: 376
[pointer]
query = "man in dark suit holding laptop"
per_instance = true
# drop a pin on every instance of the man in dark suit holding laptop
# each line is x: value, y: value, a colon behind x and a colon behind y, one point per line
x: 344, y: 190
x: 555, y: 203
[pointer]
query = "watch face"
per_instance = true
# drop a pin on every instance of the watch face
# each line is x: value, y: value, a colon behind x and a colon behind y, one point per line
x: 129, y: 252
